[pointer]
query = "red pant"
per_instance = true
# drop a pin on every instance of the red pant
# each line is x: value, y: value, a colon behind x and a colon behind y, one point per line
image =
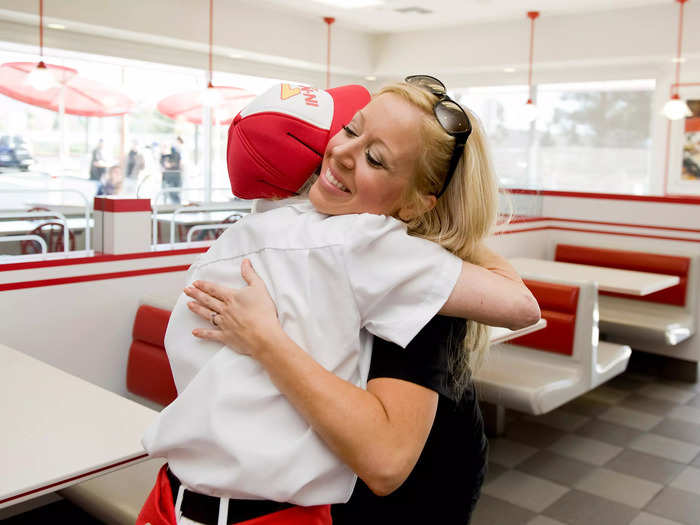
x: 159, y: 509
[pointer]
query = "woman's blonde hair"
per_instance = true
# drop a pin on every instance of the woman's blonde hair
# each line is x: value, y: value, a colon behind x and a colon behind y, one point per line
x: 465, y: 213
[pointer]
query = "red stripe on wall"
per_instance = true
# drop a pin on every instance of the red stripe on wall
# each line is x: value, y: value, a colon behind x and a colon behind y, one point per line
x: 97, y: 259
x: 506, y: 232
x: 68, y: 480
x: 610, y: 196
x: 92, y: 277
x: 520, y: 220
x: 646, y: 236
x: 604, y: 232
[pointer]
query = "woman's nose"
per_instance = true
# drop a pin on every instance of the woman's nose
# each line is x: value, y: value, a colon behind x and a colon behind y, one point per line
x: 344, y: 155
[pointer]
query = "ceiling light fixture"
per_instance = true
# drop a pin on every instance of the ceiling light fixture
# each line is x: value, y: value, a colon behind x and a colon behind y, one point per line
x: 509, y: 70
x: 329, y: 21
x: 676, y: 108
x: 55, y: 26
x: 370, y: 78
x: 530, y: 110
x: 41, y: 78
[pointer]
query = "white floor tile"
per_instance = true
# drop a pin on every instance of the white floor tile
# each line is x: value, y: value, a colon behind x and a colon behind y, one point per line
x: 686, y: 413
x: 585, y: 449
x: 667, y: 393
x: 650, y: 519
x: 525, y: 491
x: 618, y: 487
x: 664, y: 447
x: 630, y: 418
x: 688, y: 479
x: 544, y: 520
x: 561, y: 420
x: 509, y: 453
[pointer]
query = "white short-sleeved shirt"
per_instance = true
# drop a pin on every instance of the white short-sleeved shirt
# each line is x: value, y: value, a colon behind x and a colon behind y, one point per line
x: 335, y: 281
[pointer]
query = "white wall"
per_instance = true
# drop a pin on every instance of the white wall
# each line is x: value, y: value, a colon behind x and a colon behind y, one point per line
x: 84, y: 328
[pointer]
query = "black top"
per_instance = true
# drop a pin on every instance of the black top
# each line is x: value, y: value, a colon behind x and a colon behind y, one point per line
x: 445, y: 483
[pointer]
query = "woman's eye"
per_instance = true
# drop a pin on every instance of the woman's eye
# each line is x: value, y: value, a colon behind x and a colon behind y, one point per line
x: 372, y: 161
x: 350, y: 131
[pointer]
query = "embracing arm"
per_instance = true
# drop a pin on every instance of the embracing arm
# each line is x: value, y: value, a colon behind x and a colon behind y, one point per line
x: 492, y: 293
x: 379, y: 432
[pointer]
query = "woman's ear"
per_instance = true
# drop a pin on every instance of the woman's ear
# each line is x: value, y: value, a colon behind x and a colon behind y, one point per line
x: 416, y: 208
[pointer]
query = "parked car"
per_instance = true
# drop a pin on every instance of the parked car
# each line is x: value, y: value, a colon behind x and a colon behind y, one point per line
x: 14, y: 153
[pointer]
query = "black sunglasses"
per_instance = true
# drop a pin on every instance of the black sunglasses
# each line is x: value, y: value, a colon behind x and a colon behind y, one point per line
x: 450, y: 116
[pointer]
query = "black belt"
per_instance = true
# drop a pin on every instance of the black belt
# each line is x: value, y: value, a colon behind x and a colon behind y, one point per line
x: 205, y: 509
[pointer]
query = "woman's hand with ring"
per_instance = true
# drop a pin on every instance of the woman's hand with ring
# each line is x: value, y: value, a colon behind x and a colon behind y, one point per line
x: 243, y: 319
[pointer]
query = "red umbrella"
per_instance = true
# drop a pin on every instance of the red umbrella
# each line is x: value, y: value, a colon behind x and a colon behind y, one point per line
x: 190, y: 105
x: 83, y: 96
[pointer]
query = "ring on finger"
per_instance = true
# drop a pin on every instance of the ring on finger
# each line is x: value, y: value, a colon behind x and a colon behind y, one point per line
x: 213, y: 319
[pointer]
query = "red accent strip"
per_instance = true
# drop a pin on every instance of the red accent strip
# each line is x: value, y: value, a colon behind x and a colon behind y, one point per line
x: 646, y: 236
x: 680, y: 41
x: 520, y: 220
x: 211, y: 37
x: 41, y: 31
x: 92, y: 277
x: 97, y: 259
x: 611, y: 196
x: 116, y: 205
x: 523, y: 230
x: 328, y: 20
x: 17, y: 496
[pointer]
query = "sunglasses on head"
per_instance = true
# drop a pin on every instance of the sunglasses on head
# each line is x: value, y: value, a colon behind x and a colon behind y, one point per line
x: 450, y: 116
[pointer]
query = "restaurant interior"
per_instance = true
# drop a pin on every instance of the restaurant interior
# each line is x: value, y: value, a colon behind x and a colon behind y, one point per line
x: 114, y: 180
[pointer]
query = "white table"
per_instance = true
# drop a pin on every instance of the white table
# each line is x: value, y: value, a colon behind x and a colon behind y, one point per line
x: 498, y: 334
x: 59, y: 430
x: 608, y: 279
x: 22, y: 226
x: 199, y: 217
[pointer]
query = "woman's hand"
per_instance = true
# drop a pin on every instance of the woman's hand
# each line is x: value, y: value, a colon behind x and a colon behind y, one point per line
x: 242, y: 319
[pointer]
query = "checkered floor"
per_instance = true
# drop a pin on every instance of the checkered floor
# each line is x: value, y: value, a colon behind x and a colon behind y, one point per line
x: 625, y: 453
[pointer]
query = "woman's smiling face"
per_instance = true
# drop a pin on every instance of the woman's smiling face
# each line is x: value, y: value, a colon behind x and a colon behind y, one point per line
x: 369, y: 163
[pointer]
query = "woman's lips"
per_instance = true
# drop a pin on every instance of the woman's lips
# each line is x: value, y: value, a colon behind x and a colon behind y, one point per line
x: 332, y: 181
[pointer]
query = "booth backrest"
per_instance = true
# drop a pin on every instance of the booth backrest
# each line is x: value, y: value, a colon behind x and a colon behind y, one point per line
x: 148, y: 370
x: 636, y: 261
x: 558, y: 304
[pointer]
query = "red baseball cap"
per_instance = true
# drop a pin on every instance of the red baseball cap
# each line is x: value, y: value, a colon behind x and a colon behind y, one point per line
x: 278, y: 140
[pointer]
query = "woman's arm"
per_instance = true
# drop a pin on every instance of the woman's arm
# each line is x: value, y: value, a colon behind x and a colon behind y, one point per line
x: 492, y: 293
x: 379, y: 432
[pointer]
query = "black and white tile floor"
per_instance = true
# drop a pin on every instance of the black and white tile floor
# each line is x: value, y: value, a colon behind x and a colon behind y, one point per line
x: 627, y: 453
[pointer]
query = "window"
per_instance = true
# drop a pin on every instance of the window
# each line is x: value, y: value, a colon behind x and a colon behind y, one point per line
x: 40, y: 150
x: 593, y: 136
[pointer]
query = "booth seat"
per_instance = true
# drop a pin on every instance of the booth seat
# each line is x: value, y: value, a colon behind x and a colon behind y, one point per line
x: 666, y: 317
x: 541, y: 371
x: 117, y: 497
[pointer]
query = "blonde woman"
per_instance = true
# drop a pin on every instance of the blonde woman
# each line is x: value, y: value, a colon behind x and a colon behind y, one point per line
x: 395, y: 158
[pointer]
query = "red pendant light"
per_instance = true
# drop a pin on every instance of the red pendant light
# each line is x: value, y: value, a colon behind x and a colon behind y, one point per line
x: 530, y: 111
x: 676, y: 108
x: 328, y: 20
x: 211, y: 97
x: 40, y: 78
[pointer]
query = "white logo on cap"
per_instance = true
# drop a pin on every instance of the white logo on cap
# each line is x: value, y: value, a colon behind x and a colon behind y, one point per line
x: 311, y: 105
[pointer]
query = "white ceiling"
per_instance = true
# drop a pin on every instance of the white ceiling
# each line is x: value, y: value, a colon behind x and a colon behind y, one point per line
x: 384, y: 18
